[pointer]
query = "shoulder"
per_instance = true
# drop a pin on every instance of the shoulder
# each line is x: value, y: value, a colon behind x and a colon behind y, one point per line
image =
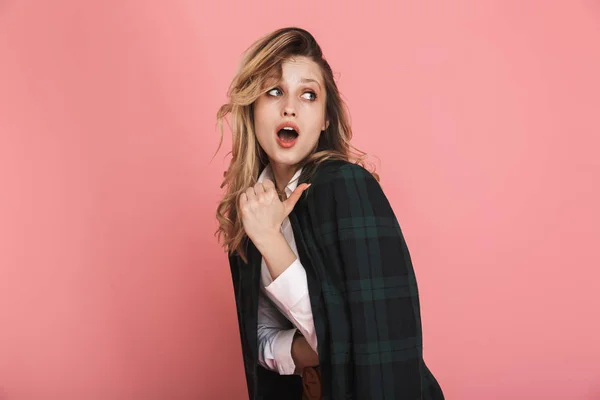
x: 333, y: 171
x: 344, y: 184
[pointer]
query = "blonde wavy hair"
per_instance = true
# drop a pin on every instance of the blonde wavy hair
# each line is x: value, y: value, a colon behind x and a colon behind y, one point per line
x: 263, y: 59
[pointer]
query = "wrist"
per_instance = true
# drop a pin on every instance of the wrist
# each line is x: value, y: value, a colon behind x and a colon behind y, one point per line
x: 268, y: 240
x: 277, y: 254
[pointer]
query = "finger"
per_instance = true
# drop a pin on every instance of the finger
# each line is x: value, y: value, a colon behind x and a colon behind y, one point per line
x: 251, y: 194
x: 268, y: 184
x: 270, y: 189
x: 243, y: 199
x: 259, y: 188
x: 291, y: 201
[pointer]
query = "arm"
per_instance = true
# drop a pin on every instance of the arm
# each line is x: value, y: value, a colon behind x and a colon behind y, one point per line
x: 275, y: 337
x: 277, y: 253
x: 381, y: 289
x: 289, y: 289
x: 290, y: 293
x: 262, y: 215
x: 281, y: 348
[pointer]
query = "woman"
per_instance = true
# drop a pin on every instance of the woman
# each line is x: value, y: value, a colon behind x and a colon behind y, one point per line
x: 326, y: 296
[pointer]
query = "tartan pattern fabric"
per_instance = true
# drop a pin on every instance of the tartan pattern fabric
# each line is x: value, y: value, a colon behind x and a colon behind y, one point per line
x: 363, y: 293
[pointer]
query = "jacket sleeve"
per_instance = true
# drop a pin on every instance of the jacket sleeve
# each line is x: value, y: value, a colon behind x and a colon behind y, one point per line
x: 381, y: 289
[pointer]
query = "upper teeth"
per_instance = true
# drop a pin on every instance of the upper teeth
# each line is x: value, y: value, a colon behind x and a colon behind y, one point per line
x: 288, y: 128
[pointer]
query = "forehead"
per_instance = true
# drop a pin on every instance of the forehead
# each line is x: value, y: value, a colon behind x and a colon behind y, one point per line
x: 296, y: 70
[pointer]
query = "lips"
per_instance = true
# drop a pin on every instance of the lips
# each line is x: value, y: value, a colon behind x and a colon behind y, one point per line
x: 288, y: 124
x: 287, y: 134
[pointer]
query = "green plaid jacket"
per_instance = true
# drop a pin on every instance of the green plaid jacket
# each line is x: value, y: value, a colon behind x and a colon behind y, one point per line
x: 363, y: 293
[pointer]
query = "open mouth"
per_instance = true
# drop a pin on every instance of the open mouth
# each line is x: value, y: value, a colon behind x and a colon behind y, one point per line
x: 287, y: 134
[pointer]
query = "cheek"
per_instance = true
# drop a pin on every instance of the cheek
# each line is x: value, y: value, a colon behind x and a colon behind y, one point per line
x: 259, y: 116
x: 263, y: 121
x: 318, y: 122
x: 264, y: 108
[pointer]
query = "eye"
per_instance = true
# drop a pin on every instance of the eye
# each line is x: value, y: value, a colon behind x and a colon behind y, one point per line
x: 313, y: 94
x: 274, y: 92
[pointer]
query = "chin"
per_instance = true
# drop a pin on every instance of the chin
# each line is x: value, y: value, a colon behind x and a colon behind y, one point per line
x: 290, y: 159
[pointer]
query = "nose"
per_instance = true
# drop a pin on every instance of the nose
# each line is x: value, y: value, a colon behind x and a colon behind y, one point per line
x: 289, y: 109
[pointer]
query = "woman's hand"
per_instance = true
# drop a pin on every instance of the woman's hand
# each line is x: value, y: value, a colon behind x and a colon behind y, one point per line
x: 262, y: 211
x: 303, y: 355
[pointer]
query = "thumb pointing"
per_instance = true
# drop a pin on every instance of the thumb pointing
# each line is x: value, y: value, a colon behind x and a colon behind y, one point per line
x: 291, y: 201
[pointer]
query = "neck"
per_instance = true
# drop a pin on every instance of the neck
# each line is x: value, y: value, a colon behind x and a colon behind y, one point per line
x: 283, y: 175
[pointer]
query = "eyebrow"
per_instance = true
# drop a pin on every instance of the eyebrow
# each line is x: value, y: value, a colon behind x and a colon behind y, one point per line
x: 269, y: 81
x: 307, y: 80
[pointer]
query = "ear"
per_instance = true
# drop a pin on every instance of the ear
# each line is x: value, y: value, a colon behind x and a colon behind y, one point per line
x: 326, y: 125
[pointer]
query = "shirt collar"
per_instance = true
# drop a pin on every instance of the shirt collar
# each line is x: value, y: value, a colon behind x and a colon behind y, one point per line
x: 267, y: 173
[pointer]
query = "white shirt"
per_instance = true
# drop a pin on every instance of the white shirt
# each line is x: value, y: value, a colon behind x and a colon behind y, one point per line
x: 284, y: 303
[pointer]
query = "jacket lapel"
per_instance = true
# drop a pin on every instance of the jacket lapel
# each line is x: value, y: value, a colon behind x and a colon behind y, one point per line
x: 298, y: 220
x: 250, y: 281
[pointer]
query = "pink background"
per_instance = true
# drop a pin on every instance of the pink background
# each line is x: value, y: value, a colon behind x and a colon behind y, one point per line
x: 484, y: 116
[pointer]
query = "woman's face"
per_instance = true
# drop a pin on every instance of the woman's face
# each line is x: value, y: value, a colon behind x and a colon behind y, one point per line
x: 290, y: 115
